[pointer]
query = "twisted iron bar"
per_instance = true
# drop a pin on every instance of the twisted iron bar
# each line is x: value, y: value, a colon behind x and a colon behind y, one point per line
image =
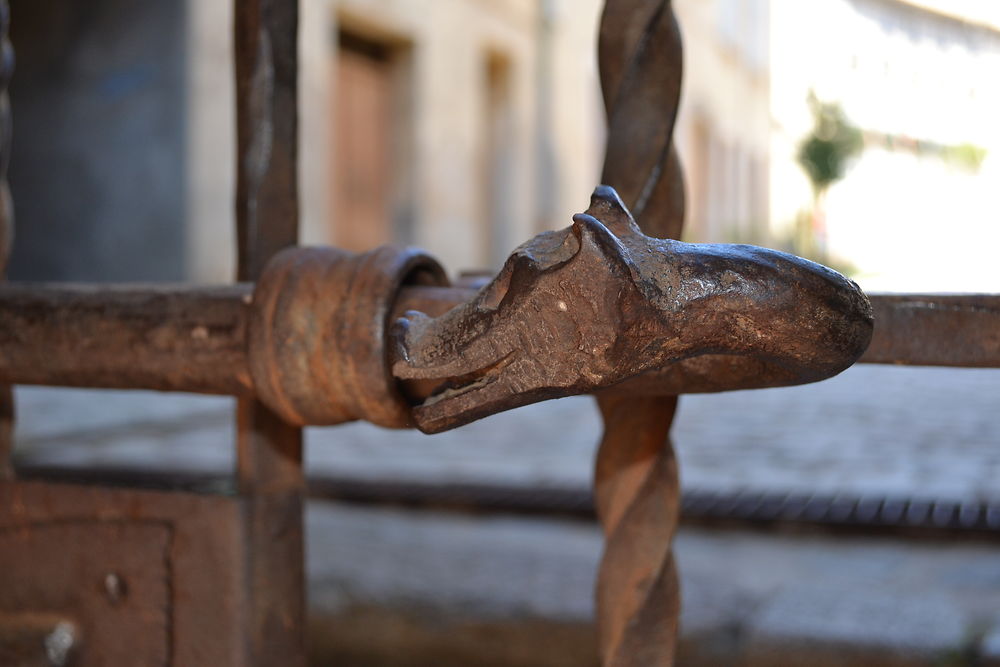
x: 638, y: 505
x: 6, y: 225
x: 636, y: 483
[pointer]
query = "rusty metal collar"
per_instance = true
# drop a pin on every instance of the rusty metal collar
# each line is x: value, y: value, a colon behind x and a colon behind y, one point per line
x: 317, y: 333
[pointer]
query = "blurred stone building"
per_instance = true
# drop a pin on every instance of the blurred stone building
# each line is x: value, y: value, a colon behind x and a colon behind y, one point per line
x: 460, y: 126
x: 723, y: 130
x: 466, y: 126
x: 918, y: 210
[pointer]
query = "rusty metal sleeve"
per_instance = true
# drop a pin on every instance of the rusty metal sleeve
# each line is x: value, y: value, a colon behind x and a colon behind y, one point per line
x: 266, y: 72
x: 318, y: 333
x: 936, y: 330
x: 636, y: 494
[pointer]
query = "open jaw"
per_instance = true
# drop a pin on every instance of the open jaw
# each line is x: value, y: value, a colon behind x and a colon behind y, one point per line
x: 460, y: 399
x: 453, y: 387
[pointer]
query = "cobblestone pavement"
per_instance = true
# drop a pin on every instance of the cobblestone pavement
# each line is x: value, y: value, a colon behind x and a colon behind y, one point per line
x: 924, y: 432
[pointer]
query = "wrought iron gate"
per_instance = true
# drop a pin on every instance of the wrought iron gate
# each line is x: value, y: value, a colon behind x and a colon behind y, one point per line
x: 322, y: 336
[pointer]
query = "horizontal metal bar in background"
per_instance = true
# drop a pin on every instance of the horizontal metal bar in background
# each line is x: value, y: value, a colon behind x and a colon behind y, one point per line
x: 861, y: 514
x: 936, y: 330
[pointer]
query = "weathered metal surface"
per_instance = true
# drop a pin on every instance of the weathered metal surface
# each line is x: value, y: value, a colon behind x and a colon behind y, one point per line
x: 599, y: 302
x: 6, y: 432
x: 635, y: 475
x: 640, y: 57
x: 144, y: 578
x: 266, y: 72
x: 194, y: 339
x: 269, y: 475
x: 936, y: 330
x: 319, y: 329
x: 269, y: 450
x: 637, y: 503
x: 155, y: 337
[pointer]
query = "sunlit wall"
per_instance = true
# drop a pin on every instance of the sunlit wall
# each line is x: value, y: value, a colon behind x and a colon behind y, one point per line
x: 920, y: 207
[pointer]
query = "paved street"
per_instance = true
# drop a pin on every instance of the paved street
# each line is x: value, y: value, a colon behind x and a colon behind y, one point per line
x: 923, y: 432
x: 519, y: 588
x: 749, y: 598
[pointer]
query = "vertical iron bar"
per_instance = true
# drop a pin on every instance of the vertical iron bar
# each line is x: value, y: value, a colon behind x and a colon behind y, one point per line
x: 269, y: 451
x: 6, y: 227
x: 636, y: 488
x: 636, y: 494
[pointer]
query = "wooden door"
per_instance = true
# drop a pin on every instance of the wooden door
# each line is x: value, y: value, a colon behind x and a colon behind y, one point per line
x: 362, y: 169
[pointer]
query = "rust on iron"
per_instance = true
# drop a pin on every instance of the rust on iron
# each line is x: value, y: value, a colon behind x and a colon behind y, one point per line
x: 163, y: 337
x: 638, y: 601
x: 637, y: 502
x: 269, y: 450
x: 142, y: 577
x: 936, y: 330
x: 599, y: 302
x: 638, y: 598
x: 318, y: 331
x: 640, y: 58
x: 266, y: 74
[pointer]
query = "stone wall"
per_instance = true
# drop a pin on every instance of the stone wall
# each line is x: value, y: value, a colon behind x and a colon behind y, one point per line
x: 98, y: 158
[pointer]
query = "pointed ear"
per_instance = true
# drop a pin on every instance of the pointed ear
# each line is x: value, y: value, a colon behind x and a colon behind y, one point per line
x: 412, y: 322
x: 596, y: 240
x: 519, y: 273
x: 607, y: 206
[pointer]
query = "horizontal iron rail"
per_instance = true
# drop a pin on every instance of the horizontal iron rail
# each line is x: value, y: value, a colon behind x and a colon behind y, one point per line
x: 193, y: 339
x: 160, y: 337
x: 936, y: 330
x: 871, y: 514
x: 166, y: 337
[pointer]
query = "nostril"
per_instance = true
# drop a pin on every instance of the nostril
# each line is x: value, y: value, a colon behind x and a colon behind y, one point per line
x: 494, y: 293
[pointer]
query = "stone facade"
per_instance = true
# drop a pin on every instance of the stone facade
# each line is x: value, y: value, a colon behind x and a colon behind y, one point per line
x: 494, y: 122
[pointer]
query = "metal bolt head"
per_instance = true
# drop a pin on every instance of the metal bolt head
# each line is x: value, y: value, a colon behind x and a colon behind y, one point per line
x: 115, y: 588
